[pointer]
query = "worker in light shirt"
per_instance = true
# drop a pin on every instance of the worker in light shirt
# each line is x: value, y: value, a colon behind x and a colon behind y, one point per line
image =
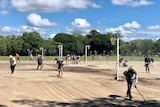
x: 12, y: 63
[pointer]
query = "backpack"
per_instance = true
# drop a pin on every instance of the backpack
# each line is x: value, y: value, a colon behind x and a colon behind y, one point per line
x: 147, y: 60
x: 129, y: 73
x: 60, y: 63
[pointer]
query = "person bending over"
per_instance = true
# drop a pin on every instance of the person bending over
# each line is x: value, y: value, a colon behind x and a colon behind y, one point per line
x: 60, y: 67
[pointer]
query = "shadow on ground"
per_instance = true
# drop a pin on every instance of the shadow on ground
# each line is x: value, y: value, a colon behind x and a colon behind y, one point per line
x: 111, y: 101
x: 2, y: 105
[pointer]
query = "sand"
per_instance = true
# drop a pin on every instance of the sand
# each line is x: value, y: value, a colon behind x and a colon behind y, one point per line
x: 82, y: 85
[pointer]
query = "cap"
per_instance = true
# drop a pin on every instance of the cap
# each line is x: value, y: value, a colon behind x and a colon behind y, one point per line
x: 10, y: 56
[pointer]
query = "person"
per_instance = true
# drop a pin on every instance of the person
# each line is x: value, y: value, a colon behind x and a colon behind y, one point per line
x: 12, y: 63
x: 100, y: 57
x: 107, y: 57
x: 74, y: 58
x: 152, y: 60
x: 40, y: 62
x: 147, y: 62
x: 31, y: 57
x: 131, y: 78
x: 125, y: 63
x: 120, y: 61
x: 67, y: 58
x: 92, y: 57
x: 77, y: 59
x: 60, y: 67
x: 17, y: 57
x: 38, y: 56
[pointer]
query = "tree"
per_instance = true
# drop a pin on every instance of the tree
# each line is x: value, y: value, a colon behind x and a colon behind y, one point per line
x: 50, y: 46
x: 93, y: 33
x: 82, y: 41
x: 69, y: 42
x: 3, y: 46
x: 100, y: 43
x: 124, y: 48
x: 16, y: 44
x: 75, y: 44
x: 145, y: 47
x: 156, y: 49
x: 133, y: 47
x: 32, y: 41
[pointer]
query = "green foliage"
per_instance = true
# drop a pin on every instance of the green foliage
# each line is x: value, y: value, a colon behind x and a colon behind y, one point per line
x: 50, y: 47
x: 145, y: 47
x: 70, y: 43
x: 32, y: 41
x: 100, y: 43
x: 75, y: 44
x: 16, y: 44
x: 3, y: 45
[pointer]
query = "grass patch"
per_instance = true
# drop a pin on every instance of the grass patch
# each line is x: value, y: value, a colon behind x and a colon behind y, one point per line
x: 89, y: 58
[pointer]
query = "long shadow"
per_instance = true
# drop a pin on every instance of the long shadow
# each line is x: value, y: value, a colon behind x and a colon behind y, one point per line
x: 2, y: 105
x: 111, y: 101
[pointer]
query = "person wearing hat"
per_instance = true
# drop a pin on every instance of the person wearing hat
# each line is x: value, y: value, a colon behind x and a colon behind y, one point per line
x: 131, y: 78
x: 12, y: 63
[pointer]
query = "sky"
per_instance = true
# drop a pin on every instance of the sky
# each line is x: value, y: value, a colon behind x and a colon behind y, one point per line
x: 134, y: 19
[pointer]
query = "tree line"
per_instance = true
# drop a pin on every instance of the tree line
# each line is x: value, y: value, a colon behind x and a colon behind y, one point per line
x: 32, y: 42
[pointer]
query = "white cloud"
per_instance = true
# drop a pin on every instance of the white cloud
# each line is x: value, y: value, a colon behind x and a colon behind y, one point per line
x: 52, y: 35
x: 4, y: 13
x: 36, y: 20
x: 10, y: 30
x: 25, y: 28
x: 114, y: 30
x: 79, y: 25
x: 132, y: 31
x: 6, y: 29
x: 126, y: 29
x: 51, y: 5
x: 133, y: 25
x: 133, y: 3
x: 156, y: 27
x: 129, y: 39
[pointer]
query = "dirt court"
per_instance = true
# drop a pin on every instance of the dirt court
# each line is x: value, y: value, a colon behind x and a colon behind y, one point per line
x: 83, y: 85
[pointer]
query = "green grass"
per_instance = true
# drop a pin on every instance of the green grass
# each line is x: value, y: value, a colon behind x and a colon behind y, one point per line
x: 129, y: 58
x: 89, y: 58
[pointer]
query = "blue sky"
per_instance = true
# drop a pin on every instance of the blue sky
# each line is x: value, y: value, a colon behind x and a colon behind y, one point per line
x: 134, y: 19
